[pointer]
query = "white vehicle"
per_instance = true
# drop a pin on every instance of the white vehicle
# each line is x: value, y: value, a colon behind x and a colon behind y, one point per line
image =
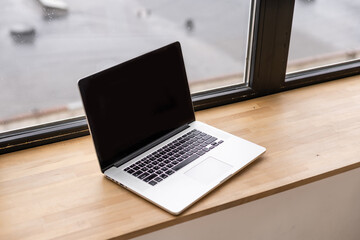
x: 23, y: 33
x: 54, y: 8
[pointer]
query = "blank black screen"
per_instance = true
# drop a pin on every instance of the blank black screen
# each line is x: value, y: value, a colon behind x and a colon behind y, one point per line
x: 134, y: 103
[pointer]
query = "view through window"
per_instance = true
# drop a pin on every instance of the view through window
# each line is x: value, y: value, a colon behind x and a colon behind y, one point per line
x: 324, y: 32
x: 48, y: 45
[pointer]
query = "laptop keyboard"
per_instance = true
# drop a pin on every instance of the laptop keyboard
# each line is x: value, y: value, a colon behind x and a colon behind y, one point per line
x: 172, y: 157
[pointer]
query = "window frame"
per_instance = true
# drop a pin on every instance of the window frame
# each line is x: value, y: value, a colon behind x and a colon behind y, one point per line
x: 268, y: 47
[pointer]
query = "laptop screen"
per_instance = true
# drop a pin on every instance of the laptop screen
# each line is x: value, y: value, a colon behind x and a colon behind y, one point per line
x: 134, y: 103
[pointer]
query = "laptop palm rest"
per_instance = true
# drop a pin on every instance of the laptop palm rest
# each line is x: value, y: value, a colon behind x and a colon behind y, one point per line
x: 209, y: 170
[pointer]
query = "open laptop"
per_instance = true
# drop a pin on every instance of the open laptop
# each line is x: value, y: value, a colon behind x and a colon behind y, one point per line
x: 142, y: 122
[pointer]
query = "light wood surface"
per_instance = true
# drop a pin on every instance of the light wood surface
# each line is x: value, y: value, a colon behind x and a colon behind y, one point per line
x: 58, y: 191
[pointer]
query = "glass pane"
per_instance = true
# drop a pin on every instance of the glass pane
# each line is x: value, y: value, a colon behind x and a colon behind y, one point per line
x: 48, y: 45
x: 324, y: 32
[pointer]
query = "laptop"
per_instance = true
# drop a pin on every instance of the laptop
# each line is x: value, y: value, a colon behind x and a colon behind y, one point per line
x: 142, y: 123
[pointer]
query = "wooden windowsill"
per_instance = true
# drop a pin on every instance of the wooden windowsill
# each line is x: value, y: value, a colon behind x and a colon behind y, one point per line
x: 58, y: 190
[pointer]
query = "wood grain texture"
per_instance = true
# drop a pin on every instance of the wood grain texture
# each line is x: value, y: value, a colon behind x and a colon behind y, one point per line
x: 57, y: 191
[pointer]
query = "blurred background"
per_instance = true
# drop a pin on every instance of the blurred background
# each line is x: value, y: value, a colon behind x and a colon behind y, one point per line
x: 46, y: 46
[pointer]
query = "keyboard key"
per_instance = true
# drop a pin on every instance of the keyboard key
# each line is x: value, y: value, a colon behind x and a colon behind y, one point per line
x: 206, y: 137
x: 142, y: 176
x: 185, y: 162
x: 163, y: 176
x: 169, y: 172
x: 158, y: 179
x: 193, y: 151
x: 152, y: 183
x: 150, y: 177
x: 137, y: 173
x: 206, y: 149
x: 212, y: 139
x: 201, y: 152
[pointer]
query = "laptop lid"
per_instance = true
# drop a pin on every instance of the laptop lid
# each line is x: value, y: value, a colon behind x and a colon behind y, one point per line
x: 132, y: 104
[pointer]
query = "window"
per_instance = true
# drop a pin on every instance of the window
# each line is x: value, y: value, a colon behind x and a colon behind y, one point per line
x: 223, y: 30
x: 46, y: 46
x: 324, y: 32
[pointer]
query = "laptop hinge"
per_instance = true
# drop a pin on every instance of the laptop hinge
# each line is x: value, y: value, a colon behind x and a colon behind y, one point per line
x: 150, y: 145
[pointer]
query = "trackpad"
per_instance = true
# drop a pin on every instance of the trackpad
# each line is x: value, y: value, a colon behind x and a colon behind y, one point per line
x: 208, y: 170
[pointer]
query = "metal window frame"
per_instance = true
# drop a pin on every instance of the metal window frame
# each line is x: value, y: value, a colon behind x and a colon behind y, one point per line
x: 266, y: 74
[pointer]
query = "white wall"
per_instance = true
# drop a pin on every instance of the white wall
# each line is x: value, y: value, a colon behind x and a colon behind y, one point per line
x: 326, y: 209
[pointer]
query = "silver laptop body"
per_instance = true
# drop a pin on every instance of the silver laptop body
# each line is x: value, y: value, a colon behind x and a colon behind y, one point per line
x: 146, y: 137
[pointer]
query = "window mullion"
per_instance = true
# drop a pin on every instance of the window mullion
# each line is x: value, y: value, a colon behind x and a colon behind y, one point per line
x: 271, y: 45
